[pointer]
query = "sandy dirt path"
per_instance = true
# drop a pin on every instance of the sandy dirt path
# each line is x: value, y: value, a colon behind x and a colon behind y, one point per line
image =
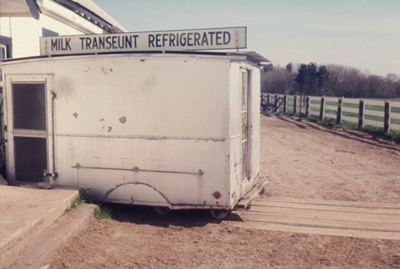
x: 300, y: 160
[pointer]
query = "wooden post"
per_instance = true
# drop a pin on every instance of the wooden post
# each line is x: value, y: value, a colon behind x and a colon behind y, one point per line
x: 267, y: 101
x: 386, y: 125
x: 322, y: 109
x: 307, y: 106
x: 276, y: 103
x: 361, y: 114
x: 339, y: 110
x: 284, y: 103
x: 294, y: 104
x: 301, y: 101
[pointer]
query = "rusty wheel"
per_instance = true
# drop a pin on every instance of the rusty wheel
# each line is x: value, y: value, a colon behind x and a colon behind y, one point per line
x: 162, y: 210
x: 220, y: 214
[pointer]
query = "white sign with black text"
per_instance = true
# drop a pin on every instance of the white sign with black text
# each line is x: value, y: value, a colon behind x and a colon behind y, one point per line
x: 183, y: 40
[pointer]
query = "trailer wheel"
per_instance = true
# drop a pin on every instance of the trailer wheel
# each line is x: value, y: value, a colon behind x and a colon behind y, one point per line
x: 220, y: 214
x: 162, y: 210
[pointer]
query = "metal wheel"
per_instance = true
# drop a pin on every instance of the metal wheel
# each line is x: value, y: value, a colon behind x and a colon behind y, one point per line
x: 220, y: 214
x: 162, y: 210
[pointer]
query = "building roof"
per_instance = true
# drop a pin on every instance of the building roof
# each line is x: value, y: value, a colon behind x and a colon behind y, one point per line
x: 87, y: 9
x: 254, y: 56
x: 100, y: 12
x: 92, y: 12
x: 249, y: 55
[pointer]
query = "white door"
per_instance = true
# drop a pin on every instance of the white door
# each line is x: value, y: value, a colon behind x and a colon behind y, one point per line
x: 246, y: 125
x: 29, y: 128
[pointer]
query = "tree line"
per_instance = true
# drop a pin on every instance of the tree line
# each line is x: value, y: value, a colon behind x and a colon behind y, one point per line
x: 328, y: 80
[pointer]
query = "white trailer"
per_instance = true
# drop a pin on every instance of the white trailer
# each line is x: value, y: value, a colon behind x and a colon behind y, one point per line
x: 169, y: 130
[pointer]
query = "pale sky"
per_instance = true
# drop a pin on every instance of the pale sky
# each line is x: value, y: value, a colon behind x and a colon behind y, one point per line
x: 360, y: 33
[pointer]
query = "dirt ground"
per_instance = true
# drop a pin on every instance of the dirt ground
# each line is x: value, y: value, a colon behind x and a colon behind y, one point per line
x: 300, y: 160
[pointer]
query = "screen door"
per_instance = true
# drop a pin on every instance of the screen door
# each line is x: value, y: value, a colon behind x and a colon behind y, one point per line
x: 30, y: 128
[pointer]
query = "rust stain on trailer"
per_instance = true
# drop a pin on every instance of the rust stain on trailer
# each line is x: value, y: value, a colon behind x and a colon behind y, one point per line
x: 65, y: 87
x: 122, y: 119
x: 109, y: 129
x: 106, y: 70
x: 75, y: 115
x: 148, y: 83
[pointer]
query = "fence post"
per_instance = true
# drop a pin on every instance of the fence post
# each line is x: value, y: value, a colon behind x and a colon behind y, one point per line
x: 284, y: 103
x: 386, y: 124
x: 361, y: 114
x: 307, y: 106
x: 322, y: 109
x: 267, y: 101
x: 276, y: 103
x: 294, y: 104
x: 339, y: 111
x: 301, y: 102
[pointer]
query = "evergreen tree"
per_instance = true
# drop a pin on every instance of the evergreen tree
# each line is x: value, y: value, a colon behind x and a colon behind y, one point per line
x: 301, y: 77
x: 312, y: 79
x: 268, y: 67
x: 323, y: 78
x: 289, y: 67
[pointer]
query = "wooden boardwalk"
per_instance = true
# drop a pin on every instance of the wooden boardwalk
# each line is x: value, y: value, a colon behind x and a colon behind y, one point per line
x: 338, y: 218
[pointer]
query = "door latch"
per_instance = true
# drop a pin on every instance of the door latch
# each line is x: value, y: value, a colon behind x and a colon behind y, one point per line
x: 46, y: 174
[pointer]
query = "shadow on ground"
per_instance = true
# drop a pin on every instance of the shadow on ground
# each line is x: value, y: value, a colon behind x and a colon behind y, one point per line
x: 145, y: 215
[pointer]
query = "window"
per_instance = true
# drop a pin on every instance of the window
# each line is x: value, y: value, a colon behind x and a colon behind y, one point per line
x: 5, y: 47
x: 3, y: 52
x: 29, y: 106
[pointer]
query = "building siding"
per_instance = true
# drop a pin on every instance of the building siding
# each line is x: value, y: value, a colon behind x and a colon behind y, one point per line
x: 25, y: 33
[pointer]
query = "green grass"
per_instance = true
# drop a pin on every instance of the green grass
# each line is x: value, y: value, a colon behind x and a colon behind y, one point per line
x: 331, y: 103
x: 372, y: 130
x: 334, y: 112
x: 393, y: 135
x: 74, y: 203
x: 102, y: 212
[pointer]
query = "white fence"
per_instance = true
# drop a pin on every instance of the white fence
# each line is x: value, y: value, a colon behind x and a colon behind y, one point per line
x: 379, y: 113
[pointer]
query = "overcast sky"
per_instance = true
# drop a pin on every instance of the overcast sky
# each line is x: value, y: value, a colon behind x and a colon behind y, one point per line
x: 360, y: 33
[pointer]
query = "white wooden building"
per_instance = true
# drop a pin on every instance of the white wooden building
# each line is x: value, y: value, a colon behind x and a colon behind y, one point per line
x: 22, y: 22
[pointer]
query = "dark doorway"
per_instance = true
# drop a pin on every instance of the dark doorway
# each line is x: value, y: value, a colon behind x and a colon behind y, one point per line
x: 30, y: 158
x: 30, y: 131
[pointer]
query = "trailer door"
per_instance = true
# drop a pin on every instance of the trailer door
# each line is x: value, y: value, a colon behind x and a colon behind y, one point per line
x: 29, y: 128
x: 246, y: 124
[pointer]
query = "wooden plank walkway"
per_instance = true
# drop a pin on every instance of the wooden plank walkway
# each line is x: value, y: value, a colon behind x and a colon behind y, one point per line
x: 338, y: 218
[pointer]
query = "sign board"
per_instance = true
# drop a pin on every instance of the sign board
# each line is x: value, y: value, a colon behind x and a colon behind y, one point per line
x: 182, y: 40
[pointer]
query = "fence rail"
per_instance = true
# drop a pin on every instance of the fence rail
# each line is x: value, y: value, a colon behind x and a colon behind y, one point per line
x: 384, y: 114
